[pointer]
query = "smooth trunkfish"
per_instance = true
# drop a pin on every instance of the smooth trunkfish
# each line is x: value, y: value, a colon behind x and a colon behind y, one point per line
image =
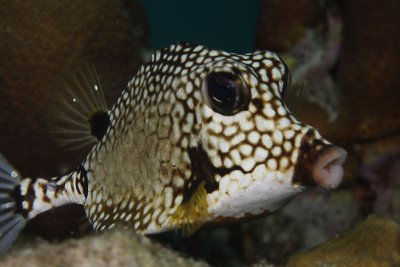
x: 198, y: 136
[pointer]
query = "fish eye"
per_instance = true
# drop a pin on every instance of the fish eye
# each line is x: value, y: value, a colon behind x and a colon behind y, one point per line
x: 226, y: 93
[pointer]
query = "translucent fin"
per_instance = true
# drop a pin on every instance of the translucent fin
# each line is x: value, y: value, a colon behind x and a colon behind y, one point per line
x: 190, y: 216
x: 79, y: 114
x: 296, y: 95
x: 11, y: 223
x: 298, y: 89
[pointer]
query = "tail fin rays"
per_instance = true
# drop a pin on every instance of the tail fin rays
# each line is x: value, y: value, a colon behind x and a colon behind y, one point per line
x: 11, y: 223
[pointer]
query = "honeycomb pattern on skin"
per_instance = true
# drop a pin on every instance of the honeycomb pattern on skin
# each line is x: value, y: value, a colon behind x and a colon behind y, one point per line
x: 165, y: 142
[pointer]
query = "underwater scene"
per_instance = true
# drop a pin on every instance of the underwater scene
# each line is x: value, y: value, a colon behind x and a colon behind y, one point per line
x: 200, y: 133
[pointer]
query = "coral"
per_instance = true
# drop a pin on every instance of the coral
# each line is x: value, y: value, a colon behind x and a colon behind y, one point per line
x: 284, y: 23
x: 381, y: 170
x: 375, y: 242
x: 38, y: 41
x: 308, y: 36
x: 311, y: 60
x: 362, y: 76
x: 368, y: 70
x: 307, y: 221
x: 114, y: 248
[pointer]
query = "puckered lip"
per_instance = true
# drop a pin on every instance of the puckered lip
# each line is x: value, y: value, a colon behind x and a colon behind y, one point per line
x: 328, y: 170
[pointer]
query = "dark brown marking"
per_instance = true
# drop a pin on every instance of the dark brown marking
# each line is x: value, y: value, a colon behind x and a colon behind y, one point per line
x: 30, y: 196
x: 308, y: 154
x: 203, y: 171
x: 19, y: 199
x: 83, y: 179
x: 43, y: 187
x: 99, y: 123
x: 16, y: 195
x: 258, y: 104
x: 286, y: 78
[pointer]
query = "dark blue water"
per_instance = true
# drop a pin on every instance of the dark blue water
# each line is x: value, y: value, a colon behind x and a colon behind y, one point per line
x: 224, y: 24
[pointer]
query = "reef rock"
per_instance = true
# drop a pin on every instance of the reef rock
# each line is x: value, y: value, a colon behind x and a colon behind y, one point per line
x: 375, y: 242
x: 115, y: 248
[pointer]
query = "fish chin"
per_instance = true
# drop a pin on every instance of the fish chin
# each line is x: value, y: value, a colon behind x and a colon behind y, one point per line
x: 261, y: 197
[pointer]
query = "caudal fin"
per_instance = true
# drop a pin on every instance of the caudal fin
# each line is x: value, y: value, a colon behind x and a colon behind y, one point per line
x: 11, y: 223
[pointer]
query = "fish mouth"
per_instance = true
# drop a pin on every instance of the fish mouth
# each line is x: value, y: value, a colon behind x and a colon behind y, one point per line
x: 319, y: 163
x: 327, y: 170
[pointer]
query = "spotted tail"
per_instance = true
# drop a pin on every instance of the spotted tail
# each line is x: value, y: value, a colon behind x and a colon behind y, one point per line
x: 22, y: 199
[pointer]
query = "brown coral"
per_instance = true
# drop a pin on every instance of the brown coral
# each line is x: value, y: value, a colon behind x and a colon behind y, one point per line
x: 281, y: 24
x: 375, y: 242
x: 368, y: 63
x: 368, y: 70
x: 38, y: 41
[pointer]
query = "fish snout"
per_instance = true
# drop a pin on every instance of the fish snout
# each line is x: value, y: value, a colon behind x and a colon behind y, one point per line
x: 327, y: 171
x: 319, y: 164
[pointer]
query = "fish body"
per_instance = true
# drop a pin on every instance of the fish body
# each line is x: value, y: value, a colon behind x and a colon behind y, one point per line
x: 198, y: 136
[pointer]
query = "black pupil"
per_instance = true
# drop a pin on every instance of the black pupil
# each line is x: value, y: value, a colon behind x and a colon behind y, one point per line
x: 223, y: 91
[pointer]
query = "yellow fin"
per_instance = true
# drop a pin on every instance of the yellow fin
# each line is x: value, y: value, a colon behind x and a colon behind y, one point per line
x: 191, y: 215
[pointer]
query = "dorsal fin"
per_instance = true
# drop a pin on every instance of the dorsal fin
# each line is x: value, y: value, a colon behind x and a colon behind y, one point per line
x: 79, y: 114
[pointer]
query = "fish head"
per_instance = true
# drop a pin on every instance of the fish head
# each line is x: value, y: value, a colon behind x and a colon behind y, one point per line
x: 234, y: 149
x: 250, y: 152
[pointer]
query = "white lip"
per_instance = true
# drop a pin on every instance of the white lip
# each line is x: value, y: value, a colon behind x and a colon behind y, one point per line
x: 328, y: 169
